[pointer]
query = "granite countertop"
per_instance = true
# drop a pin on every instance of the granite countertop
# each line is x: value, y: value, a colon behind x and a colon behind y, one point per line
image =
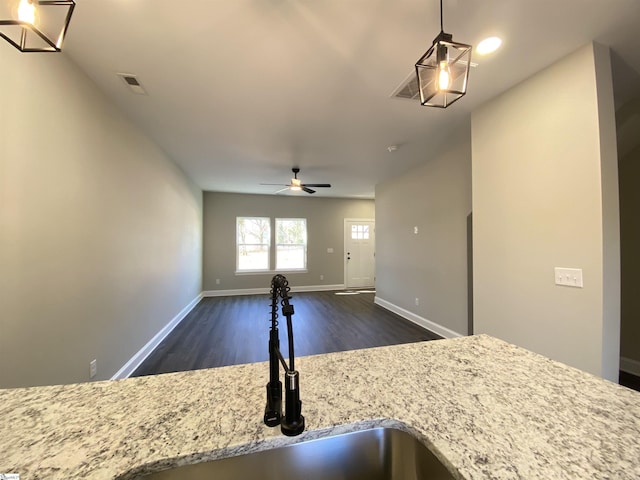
x: 488, y: 409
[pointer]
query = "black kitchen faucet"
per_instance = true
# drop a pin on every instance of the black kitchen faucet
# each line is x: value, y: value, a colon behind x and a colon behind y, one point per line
x: 293, y: 422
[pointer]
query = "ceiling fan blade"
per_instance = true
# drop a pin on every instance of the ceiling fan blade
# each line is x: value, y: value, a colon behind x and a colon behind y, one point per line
x: 308, y: 190
x: 276, y: 184
x: 316, y: 185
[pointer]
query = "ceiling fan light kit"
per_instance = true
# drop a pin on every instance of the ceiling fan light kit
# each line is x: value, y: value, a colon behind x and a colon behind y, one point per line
x: 443, y: 71
x: 296, y: 184
x: 36, y: 25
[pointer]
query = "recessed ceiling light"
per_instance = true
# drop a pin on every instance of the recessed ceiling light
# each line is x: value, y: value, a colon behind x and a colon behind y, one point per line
x: 488, y: 45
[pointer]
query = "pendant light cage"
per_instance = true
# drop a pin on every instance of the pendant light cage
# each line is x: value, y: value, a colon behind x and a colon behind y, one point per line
x: 458, y: 60
x: 45, y: 34
x: 443, y: 71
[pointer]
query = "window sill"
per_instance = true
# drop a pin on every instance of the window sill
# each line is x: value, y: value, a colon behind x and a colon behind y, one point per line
x: 269, y: 272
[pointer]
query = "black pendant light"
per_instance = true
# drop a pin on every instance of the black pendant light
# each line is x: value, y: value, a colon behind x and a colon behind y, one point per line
x: 443, y: 70
x: 36, y: 25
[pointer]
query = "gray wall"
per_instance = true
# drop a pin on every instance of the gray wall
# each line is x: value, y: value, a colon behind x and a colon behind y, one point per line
x: 630, y: 243
x: 432, y: 265
x: 100, y: 233
x: 544, y: 196
x: 325, y: 229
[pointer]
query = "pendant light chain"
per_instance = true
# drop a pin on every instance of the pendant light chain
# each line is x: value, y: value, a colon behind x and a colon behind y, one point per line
x: 441, y: 23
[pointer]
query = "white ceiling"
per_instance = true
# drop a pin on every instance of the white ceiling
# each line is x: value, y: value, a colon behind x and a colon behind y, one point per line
x: 240, y: 91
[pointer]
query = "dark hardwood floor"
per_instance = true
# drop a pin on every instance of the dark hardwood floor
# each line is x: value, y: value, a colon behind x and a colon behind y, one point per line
x: 223, y: 331
x: 629, y: 381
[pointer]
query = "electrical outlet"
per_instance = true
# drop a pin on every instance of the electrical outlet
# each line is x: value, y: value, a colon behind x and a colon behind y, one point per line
x: 415, y: 230
x: 321, y: 277
x: 417, y: 301
x: 217, y: 281
x: 93, y: 368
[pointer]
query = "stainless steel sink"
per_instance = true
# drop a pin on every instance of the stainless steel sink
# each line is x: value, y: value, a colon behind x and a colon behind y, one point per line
x: 377, y: 454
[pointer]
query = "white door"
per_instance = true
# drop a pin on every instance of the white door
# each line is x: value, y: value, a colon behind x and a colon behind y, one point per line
x: 359, y: 250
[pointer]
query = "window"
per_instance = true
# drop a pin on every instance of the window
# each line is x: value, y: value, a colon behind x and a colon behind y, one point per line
x: 291, y: 243
x: 253, y: 240
x: 360, y: 232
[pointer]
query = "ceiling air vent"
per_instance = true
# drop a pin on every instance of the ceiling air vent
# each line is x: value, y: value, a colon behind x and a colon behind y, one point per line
x: 133, y: 83
x: 408, y: 88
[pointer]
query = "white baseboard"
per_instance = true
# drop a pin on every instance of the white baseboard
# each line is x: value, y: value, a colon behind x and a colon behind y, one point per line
x: 630, y: 366
x: 145, y: 351
x: 417, y: 319
x: 266, y: 290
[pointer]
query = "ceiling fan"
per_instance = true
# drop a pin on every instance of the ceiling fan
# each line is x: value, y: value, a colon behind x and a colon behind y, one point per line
x: 296, y: 185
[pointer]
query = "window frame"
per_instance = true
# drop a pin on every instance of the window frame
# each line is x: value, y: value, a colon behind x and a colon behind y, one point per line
x: 239, y: 245
x: 305, y: 245
x: 360, y: 233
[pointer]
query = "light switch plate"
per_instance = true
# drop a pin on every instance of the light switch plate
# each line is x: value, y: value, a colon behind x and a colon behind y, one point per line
x: 568, y: 277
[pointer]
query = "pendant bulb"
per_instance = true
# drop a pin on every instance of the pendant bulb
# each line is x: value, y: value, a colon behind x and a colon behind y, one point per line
x: 444, y: 76
x: 27, y: 11
x: 443, y: 72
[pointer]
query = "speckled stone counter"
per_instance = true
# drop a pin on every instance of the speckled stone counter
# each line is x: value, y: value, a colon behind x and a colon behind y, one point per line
x: 488, y: 409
